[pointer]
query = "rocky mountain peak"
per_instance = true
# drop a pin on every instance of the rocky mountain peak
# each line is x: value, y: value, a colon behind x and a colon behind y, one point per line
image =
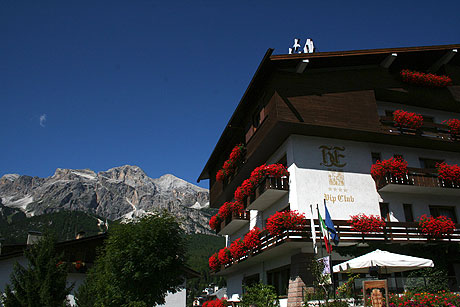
x: 120, y: 192
x: 73, y: 174
x: 171, y: 182
x: 9, y: 177
x: 129, y: 174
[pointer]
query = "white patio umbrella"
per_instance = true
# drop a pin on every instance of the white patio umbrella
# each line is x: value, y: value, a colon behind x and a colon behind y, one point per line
x: 387, y: 262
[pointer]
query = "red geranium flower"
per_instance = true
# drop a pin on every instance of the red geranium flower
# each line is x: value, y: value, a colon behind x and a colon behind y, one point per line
x: 215, y: 221
x: 407, y: 119
x: 448, y: 172
x: 286, y: 220
x: 252, y: 238
x: 215, y: 303
x: 394, y: 166
x: 366, y: 223
x: 214, y: 263
x: 230, y: 165
x: 238, y: 249
x: 423, y: 79
x: 225, y: 211
x: 225, y: 256
x: 257, y: 176
x: 454, y: 125
x: 436, y: 226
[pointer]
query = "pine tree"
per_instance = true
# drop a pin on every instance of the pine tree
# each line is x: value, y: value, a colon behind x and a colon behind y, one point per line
x: 42, y: 282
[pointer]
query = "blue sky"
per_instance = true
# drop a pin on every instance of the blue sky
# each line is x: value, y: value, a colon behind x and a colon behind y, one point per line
x: 99, y: 84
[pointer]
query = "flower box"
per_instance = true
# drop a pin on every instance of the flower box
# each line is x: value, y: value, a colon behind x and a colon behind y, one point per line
x: 231, y: 164
x: 285, y: 220
x: 404, y: 119
x: 436, y: 227
x: 449, y: 173
x: 454, y: 127
x: 396, y: 167
x: 366, y: 223
x: 424, y: 79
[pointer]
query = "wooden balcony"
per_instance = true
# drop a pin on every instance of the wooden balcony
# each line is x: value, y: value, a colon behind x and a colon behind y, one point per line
x: 270, y: 247
x: 393, y: 232
x: 291, y: 241
x: 428, y: 130
x: 233, y: 223
x: 268, y: 192
x: 419, y: 181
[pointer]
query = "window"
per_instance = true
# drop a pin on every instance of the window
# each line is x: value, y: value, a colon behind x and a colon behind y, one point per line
x: 444, y: 210
x: 250, y: 280
x: 428, y: 119
x: 398, y: 156
x: 279, y: 278
x: 389, y: 113
x: 429, y: 163
x: 408, y: 214
x: 385, y: 211
x: 376, y: 156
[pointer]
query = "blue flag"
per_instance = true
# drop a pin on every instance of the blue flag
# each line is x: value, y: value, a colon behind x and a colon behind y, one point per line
x: 330, y: 226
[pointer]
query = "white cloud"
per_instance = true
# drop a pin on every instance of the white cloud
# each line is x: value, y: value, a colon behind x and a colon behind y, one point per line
x: 42, y: 120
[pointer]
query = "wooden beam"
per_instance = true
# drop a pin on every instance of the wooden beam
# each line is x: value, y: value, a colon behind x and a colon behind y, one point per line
x: 388, y: 60
x: 301, y: 66
x: 443, y: 60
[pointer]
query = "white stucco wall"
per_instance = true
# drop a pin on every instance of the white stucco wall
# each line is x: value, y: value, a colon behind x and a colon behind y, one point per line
x: 177, y: 299
x: 6, y: 268
x: 310, y: 179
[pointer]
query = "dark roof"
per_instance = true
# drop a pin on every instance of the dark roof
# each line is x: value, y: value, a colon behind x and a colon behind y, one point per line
x: 18, y: 249
x: 410, y: 57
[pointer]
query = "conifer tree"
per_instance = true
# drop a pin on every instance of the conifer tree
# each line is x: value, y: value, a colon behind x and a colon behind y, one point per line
x: 42, y: 282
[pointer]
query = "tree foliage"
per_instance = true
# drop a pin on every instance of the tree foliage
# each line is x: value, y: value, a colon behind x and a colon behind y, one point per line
x: 42, y: 282
x: 141, y: 261
x: 260, y: 295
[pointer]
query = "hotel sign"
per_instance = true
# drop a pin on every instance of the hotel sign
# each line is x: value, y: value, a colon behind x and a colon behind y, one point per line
x: 332, y: 156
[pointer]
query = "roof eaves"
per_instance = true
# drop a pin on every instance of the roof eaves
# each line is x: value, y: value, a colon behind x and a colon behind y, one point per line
x: 301, y: 56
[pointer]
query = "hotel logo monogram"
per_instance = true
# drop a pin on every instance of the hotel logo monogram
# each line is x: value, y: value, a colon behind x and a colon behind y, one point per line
x: 336, y: 178
x: 332, y: 156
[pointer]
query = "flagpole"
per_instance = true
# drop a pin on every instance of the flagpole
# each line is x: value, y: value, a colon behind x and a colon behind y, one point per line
x: 317, y: 210
x: 330, y: 263
x: 313, y: 231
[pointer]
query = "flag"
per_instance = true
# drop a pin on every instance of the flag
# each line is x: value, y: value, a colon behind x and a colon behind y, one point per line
x: 325, y: 233
x: 330, y: 226
x: 313, y: 230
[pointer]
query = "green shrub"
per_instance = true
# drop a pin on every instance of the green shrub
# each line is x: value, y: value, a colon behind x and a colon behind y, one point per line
x: 260, y: 295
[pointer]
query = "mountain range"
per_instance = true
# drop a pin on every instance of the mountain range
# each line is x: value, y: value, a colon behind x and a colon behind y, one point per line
x: 119, y: 193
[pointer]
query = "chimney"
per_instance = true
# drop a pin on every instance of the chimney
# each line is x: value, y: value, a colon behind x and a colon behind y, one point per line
x: 33, y: 237
x: 80, y: 235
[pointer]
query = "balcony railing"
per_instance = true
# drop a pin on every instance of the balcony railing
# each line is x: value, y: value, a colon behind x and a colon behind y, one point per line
x: 233, y: 223
x: 430, y: 130
x: 267, y: 192
x: 418, y: 180
x: 274, y: 245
